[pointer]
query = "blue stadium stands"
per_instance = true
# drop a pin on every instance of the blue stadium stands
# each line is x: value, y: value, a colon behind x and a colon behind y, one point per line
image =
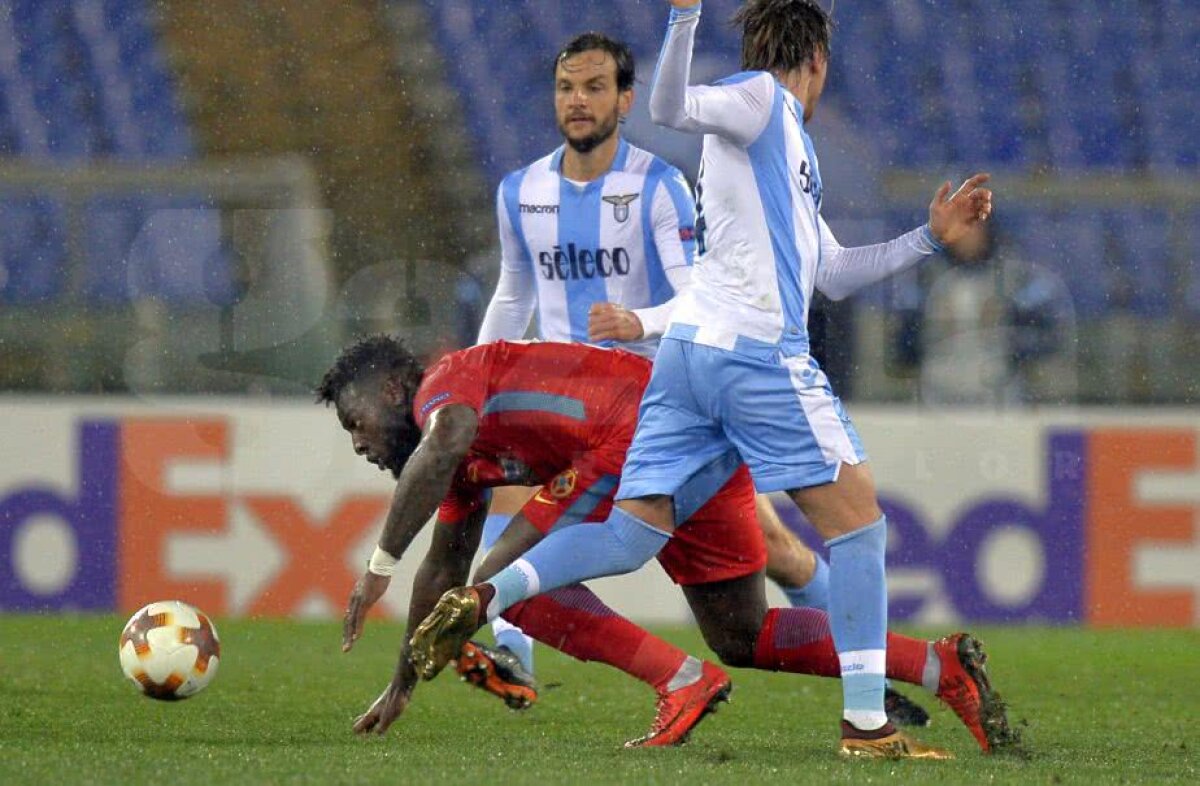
x: 1026, y: 84
x: 81, y: 81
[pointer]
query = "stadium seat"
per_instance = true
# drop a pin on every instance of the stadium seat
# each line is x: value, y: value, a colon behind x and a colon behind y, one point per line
x: 32, y: 251
x: 82, y: 80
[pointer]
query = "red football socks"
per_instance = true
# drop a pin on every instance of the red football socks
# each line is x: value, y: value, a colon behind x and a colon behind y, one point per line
x: 798, y: 640
x: 574, y: 621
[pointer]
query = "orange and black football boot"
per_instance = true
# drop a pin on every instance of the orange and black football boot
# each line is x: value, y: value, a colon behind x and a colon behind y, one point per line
x: 499, y: 672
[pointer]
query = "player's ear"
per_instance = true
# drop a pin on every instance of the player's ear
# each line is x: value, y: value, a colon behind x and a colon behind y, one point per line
x: 393, y: 391
x: 624, y: 103
x: 819, y: 63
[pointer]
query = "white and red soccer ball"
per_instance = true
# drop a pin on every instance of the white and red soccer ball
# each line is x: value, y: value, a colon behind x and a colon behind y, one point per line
x: 170, y: 650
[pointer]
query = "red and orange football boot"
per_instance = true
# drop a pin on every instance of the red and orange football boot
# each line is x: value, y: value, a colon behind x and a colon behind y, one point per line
x: 681, y: 710
x: 499, y: 672
x: 966, y: 689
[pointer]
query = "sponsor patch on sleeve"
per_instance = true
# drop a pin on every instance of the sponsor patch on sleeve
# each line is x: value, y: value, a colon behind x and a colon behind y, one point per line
x: 433, y: 402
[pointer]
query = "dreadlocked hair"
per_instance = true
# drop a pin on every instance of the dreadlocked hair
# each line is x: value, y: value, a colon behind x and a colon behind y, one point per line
x: 380, y: 353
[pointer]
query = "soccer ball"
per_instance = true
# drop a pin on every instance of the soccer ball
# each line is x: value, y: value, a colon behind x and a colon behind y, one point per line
x: 170, y: 650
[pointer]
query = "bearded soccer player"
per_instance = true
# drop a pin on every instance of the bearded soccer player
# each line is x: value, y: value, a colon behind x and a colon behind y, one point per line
x: 734, y: 373
x: 562, y: 415
x: 598, y: 238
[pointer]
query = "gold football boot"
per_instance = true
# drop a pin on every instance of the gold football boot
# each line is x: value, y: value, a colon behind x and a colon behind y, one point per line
x: 441, y: 636
x: 896, y: 745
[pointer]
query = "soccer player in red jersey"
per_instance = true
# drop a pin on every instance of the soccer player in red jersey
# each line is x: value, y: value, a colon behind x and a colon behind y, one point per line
x: 562, y: 416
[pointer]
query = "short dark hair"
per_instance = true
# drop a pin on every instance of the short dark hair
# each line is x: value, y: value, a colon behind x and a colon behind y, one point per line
x: 781, y: 35
x: 620, y: 52
x: 378, y: 353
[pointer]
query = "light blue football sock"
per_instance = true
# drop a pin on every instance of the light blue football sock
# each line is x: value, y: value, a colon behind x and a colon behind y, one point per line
x: 814, y: 594
x: 577, y: 553
x: 858, y: 619
x: 507, y: 635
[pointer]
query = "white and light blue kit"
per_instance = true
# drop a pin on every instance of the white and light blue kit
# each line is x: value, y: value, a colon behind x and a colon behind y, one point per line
x: 626, y: 237
x: 734, y: 370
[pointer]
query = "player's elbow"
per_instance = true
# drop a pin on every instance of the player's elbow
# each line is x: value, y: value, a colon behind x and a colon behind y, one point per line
x: 664, y: 114
x: 832, y: 291
x: 452, y: 431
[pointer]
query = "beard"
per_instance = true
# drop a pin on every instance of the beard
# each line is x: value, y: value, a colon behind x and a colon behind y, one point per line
x: 402, y: 443
x: 593, y: 140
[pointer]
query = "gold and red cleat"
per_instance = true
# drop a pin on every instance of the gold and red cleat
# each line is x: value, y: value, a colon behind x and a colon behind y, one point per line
x: 499, y: 672
x: 441, y: 635
x: 886, y: 743
x: 966, y: 689
x: 681, y: 710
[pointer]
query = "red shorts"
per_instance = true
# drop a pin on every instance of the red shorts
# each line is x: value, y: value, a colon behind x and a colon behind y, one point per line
x: 720, y: 541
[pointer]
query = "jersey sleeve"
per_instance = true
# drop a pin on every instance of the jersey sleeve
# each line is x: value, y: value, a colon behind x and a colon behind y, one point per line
x: 458, y: 378
x: 844, y: 271
x: 738, y: 110
x: 511, y: 307
x: 674, y: 215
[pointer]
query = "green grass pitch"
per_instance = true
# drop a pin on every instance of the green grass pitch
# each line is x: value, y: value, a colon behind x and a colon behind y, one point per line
x: 1101, y: 707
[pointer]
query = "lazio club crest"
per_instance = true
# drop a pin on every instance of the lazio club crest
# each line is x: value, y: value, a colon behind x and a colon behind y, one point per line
x: 620, y: 205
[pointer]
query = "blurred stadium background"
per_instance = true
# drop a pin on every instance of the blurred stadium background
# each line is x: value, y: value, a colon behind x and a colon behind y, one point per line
x: 200, y: 202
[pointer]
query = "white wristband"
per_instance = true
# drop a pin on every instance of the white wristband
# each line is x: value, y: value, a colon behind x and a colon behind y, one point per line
x: 382, y: 563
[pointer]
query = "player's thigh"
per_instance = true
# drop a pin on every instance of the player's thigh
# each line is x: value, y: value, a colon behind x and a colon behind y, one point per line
x: 507, y: 500
x: 787, y: 424
x: 675, y: 437
x: 517, y: 538
x: 721, y: 540
x: 580, y: 493
x: 844, y: 505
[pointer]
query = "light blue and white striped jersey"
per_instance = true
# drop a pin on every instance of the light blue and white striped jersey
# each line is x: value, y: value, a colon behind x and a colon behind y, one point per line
x: 758, y: 204
x: 763, y: 243
x: 613, y: 239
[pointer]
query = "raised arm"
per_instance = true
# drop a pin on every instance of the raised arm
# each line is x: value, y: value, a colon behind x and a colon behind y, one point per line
x: 737, y: 110
x: 512, y: 304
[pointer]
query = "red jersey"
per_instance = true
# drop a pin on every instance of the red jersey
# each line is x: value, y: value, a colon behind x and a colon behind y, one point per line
x: 550, y: 413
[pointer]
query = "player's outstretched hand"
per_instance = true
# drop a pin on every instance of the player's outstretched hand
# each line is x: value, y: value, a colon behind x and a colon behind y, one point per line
x: 610, y: 322
x: 367, y: 592
x: 951, y: 217
x: 384, y: 711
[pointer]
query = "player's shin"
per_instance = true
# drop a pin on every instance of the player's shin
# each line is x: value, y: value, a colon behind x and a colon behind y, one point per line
x: 507, y: 635
x: 798, y: 640
x: 576, y: 622
x: 575, y: 554
x: 858, y: 619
